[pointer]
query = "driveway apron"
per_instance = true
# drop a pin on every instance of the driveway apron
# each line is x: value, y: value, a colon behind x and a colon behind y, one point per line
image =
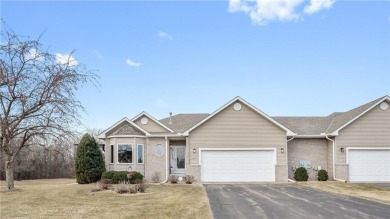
x: 287, y: 201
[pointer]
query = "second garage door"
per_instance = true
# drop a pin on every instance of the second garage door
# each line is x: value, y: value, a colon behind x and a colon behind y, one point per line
x: 238, y: 165
x: 369, y: 165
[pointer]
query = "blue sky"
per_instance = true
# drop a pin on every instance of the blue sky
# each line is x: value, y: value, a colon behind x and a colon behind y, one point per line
x: 292, y: 58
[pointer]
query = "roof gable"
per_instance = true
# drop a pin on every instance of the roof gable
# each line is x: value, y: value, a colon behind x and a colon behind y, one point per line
x: 289, y: 132
x: 123, y: 127
x: 341, y: 121
x: 151, y: 118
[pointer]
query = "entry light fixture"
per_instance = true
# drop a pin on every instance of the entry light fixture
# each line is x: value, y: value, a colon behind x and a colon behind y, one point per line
x: 342, y: 150
x: 282, y: 150
x: 194, y: 150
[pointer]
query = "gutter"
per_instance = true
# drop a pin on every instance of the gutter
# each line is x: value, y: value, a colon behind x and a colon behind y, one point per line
x: 310, y: 136
x: 166, y: 160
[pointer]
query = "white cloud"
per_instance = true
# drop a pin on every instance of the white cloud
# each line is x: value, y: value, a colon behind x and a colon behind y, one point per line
x: 66, y: 59
x: 33, y: 54
x: 97, y: 54
x: 165, y: 35
x: 132, y: 63
x: 261, y: 11
x: 317, y: 5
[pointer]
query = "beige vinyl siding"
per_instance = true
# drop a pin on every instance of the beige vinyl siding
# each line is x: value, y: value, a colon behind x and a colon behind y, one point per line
x: 330, y: 159
x: 370, y: 130
x: 238, y: 129
x: 151, y: 126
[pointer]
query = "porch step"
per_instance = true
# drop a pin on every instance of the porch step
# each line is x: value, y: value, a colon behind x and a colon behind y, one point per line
x: 178, y: 174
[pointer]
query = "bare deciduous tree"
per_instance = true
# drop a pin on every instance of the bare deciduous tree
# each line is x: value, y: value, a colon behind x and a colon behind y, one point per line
x: 37, y: 95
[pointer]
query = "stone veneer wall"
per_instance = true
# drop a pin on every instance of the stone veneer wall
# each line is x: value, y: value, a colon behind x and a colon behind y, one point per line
x: 313, y: 150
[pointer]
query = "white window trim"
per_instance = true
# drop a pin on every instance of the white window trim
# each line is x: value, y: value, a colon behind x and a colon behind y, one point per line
x: 143, y: 154
x: 362, y: 148
x: 236, y: 149
x: 117, y: 150
x: 154, y: 149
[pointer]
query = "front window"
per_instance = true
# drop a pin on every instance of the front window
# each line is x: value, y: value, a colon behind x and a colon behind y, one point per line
x: 140, y: 153
x: 125, y: 153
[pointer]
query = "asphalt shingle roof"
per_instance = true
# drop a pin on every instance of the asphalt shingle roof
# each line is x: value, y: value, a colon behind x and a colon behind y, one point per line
x: 182, y: 122
x: 305, y: 125
x: 299, y: 125
x: 326, y: 124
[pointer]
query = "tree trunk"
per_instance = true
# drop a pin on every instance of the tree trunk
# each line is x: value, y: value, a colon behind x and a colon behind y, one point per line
x: 9, y: 174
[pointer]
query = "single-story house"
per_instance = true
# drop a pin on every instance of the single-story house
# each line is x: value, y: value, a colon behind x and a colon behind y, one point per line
x: 240, y: 143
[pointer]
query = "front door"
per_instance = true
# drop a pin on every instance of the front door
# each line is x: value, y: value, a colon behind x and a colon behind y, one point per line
x: 178, y: 159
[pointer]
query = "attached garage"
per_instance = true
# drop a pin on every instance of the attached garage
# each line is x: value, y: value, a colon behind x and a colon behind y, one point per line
x: 237, y: 165
x: 369, y: 164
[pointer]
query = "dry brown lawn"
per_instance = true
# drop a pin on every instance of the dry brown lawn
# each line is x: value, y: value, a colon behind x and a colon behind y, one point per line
x: 366, y: 191
x: 63, y: 198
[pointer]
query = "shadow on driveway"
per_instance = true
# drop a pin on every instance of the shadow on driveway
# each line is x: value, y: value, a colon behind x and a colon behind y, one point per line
x: 287, y: 201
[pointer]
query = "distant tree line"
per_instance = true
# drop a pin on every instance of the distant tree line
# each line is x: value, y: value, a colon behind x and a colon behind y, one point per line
x: 54, y: 160
x: 48, y: 159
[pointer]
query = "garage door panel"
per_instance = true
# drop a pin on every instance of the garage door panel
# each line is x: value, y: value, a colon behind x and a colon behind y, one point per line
x: 369, y: 165
x: 237, y: 166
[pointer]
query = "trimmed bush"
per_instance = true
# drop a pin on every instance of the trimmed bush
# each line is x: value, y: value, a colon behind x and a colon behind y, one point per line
x: 135, y: 177
x: 300, y: 174
x: 89, y: 162
x: 109, y: 175
x: 132, y: 177
x: 116, y: 176
x: 322, y: 175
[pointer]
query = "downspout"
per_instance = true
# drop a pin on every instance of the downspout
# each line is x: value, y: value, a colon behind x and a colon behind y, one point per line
x: 166, y: 161
x: 288, y: 179
x: 334, y: 163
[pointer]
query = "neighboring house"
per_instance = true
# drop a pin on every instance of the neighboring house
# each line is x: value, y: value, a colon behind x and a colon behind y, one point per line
x: 240, y: 143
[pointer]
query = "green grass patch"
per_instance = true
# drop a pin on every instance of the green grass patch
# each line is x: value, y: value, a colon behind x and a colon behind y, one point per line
x: 63, y: 198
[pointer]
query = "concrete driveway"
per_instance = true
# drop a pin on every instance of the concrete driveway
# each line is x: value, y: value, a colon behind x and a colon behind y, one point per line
x: 287, y: 201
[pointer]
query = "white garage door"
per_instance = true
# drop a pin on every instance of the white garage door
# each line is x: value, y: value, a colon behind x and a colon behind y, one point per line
x: 237, y: 166
x: 369, y: 165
